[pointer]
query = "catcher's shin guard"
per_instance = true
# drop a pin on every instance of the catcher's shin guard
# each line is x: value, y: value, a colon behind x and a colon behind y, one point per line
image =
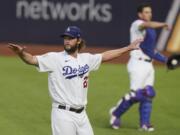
x: 149, y: 92
x: 124, y: 104
x: 145, y: 107
x: 143, y: 94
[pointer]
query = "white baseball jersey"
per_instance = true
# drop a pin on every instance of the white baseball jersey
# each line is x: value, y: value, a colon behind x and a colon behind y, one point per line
x: 68, y: 76
x: 135, y: 33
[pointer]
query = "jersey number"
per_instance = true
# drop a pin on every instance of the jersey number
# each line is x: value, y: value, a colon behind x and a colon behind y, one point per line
x: 85, y: 83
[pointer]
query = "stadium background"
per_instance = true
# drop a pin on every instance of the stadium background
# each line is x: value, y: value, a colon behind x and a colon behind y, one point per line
x: 105, y: 24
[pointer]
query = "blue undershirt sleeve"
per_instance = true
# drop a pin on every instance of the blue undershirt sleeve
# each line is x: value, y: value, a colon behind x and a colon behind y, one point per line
x: 154, y: 55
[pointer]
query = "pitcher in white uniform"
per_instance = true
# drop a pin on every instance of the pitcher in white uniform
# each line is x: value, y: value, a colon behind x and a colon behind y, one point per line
x: 141, y: 70
x: 68, y: 73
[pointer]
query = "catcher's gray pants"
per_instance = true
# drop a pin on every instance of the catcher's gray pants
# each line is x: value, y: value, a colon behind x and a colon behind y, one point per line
x: 65, y: 122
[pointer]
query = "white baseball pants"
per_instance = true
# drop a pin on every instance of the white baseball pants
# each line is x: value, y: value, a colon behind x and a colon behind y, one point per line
x: 64, y: 122
x: 141, y: 73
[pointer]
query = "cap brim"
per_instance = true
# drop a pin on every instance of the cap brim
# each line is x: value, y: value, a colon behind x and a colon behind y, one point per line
x: 67, y: 34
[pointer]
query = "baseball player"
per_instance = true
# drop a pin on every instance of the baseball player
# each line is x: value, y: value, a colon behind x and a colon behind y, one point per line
x: 68, y: 74
x: 140, y: 69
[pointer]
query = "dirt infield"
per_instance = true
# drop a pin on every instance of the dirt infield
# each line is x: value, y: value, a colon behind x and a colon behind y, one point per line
x: 41, y: 49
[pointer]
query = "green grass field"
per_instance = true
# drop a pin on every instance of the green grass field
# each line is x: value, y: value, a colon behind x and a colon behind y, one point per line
x: 25, y: 104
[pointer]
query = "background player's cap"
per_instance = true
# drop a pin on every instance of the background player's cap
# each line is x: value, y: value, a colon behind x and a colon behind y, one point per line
x: 72, y: 31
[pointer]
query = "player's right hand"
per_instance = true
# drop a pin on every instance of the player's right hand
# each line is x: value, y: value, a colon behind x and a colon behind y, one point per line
x: 167, y: 27
x: 135, y: 44
x: 16, y: 48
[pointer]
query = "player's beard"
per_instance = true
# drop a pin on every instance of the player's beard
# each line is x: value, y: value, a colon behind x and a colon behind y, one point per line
x: 71, y: 50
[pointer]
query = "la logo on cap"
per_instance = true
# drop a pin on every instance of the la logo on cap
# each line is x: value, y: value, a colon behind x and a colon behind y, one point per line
x: 68, y: 29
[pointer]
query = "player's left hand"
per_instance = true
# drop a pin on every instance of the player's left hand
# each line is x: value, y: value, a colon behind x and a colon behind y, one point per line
x: 135, y: 44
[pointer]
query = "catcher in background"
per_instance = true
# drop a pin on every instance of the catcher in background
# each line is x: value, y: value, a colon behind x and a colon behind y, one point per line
x: 141, y: 70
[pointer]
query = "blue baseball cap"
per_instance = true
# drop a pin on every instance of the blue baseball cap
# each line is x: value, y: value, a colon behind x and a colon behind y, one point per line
x: 72, y: 31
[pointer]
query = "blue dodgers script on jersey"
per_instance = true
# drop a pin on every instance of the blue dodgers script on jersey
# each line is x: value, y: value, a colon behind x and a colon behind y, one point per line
x: 70, y: 72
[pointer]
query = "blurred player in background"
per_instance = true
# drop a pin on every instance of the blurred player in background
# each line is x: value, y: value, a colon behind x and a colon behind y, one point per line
x: 68, y: 80
x: 140, y: 69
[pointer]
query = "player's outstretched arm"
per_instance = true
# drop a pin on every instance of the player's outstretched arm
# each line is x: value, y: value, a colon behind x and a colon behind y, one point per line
x: 109, y: 55
x: 25, y: 56
x: 154, y: 25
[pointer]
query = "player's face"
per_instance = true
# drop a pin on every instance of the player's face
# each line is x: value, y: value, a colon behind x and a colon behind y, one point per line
x: 146, y: 14
x: 70, y: 44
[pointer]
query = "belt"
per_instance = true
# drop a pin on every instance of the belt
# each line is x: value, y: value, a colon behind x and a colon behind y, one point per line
x: 71, y: 109
x: 146, y: 60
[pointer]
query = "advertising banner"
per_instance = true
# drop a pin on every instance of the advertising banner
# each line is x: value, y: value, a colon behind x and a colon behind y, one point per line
x: 103, y: 22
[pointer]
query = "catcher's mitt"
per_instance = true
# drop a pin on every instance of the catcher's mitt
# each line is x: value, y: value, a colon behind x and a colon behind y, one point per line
x: 173, y: 61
